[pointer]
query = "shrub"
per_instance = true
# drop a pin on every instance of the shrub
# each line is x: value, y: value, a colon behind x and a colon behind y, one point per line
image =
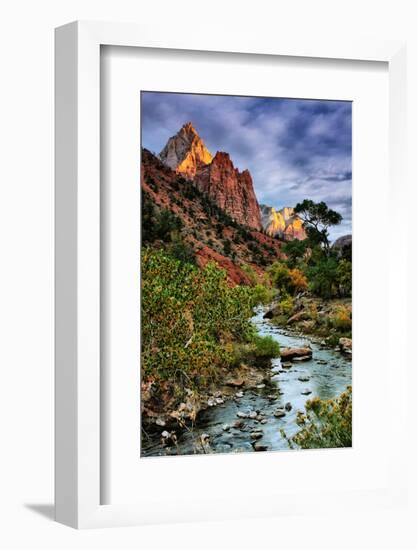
x: 341, y: 319
x: 182, y: 252
x: 251, y: 273
x: 325, y: 423
x: 280, y: 277
x: 333, y: 339
x: 287, y: 280
x: 227, y: 248
x: 286, y: 304
x: 189, y: 319
x: 261, y: 295
x: 344, y: 277
x: 265, y: 347
x: 297, y: 282
x: 158, y: 224
x: 323, y: 277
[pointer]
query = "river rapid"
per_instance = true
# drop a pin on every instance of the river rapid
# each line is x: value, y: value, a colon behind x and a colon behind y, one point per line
x: 219, y: 429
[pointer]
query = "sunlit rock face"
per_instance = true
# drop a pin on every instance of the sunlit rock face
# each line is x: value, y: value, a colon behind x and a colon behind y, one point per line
x: 215, y: 176
x: 282, y: 223
x: 230, y: 189
x: 185, y: 152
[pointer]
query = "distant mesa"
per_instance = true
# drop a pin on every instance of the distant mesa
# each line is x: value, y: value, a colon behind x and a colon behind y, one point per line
x: 282, y: 223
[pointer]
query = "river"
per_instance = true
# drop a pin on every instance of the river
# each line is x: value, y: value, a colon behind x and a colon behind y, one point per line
x: 328, y: 373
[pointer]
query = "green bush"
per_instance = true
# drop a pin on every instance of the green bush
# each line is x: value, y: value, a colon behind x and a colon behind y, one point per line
x: 286, y: 304
x: 190, y: 318
x: 265, y: 347
x: 323, y: 277
x: 289, y: 281
x: 227, y: 247
x: 325, y: 423
x: 251, y: 273
x: 158, y: 223
x: 341, y: 319
x: 261, y: 295
x: 182, y: 252
x: 344, y: 277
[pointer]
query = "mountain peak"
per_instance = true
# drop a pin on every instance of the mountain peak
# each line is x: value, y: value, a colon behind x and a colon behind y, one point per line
x: 188, y: 127
x: 215, y: 176
x: 185, y: 152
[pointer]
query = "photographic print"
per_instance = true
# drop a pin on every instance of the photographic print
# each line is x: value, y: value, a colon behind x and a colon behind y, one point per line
x: 246, y: 274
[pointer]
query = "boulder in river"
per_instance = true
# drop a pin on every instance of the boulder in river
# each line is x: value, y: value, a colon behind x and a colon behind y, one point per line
x: 271, y: 312
x: 289, y: 354
x: 257, y: 446
x: 306, y: 392
x: 303, y: 378
x: 235, y: 383
x: 288, y: 406
x: 286, y: 365
x: 256, y: 435
x: 345, y: 345
x: 303, y: 358
x: 241, y: 414
x: 279, y: 413
x: 300, y: 316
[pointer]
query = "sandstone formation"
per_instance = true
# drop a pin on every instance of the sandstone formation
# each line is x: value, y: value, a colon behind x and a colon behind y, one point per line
x: 230, y: 189
x: 185, y: 152
x: 343, y: 245
x: 282, y: 223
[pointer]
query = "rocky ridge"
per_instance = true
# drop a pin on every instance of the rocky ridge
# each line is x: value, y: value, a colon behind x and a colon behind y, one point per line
x: 216, y: 176
x: 230, y: 189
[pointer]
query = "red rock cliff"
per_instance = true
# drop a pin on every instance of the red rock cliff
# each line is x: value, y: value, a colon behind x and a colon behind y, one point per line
x: 230, y: 189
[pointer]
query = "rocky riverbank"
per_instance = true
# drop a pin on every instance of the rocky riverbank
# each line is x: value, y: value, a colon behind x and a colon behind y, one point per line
x: 247, y: 410
x: 328, y: 320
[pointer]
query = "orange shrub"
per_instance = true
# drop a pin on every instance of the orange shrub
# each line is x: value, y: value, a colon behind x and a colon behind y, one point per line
x: 298, y: 281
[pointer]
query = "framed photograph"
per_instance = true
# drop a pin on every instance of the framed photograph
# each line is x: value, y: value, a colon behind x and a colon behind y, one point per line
x: 226, y: 310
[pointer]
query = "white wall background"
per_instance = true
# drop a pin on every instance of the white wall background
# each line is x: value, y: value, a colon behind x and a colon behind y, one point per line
x: 26, y: 272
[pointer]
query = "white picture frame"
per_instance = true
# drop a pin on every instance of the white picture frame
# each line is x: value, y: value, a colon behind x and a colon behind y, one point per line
x: 77, y: 242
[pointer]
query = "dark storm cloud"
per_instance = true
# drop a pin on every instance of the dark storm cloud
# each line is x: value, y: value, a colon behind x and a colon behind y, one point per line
x: 294, y: 149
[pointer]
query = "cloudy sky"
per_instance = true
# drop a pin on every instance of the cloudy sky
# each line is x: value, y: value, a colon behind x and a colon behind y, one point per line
x: 293, y: 148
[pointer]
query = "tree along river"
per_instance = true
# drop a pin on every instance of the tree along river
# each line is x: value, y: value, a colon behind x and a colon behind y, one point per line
x: 328, y: 373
